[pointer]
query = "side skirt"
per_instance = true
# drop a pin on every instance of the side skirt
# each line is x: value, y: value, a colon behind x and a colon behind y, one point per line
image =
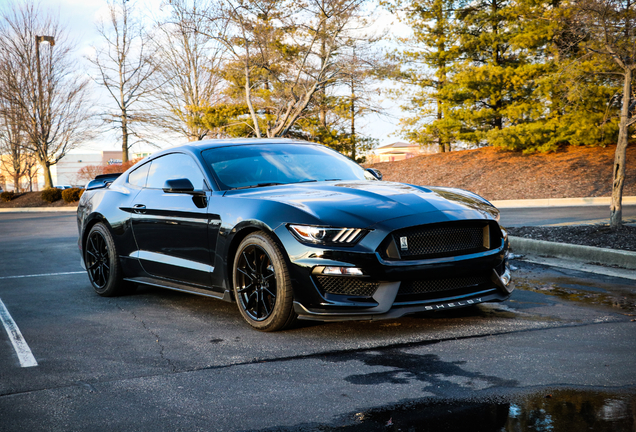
x: 160, y: 283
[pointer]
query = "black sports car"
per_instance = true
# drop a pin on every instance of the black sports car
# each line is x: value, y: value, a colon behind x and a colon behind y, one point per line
x: 289, y: 229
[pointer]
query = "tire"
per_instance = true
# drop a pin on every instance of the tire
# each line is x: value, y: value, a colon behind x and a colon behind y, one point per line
x: 262, y: 286
x: 102, y: 263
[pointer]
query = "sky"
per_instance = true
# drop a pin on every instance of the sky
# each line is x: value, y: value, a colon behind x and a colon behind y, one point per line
x: 80, y: 17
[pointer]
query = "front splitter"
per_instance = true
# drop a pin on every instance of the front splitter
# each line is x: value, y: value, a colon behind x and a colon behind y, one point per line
x: 401, y: 309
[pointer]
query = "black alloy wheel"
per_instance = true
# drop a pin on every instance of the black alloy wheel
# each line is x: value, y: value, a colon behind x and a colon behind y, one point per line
x: 97, y: 259
x: 102, y: 262
x: 262, y: 287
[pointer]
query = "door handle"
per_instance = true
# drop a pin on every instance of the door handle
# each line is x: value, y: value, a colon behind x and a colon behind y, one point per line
x: 139, y: 208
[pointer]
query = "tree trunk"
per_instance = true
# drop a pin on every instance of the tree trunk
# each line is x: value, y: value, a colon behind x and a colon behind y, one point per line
x: 248, y: 101
x: 353, y: 120
x: 16, y: 182
x: 322, y: 100
x: 46, y: 171
x: 440, y: 141
x: 620, y: 156
x: 124, y: 136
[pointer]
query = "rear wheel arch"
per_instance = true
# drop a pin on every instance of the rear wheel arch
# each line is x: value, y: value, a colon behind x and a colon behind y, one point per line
x: 94, y: 219
x: 102, y: 261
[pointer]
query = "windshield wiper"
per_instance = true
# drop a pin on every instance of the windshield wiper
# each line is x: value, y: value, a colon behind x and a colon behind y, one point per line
x: 259, y: 185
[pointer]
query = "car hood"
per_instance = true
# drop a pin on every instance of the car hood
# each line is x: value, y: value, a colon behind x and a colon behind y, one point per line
x: 365, y: 203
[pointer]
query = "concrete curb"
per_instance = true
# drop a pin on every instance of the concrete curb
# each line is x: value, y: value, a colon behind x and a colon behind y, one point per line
x: 561, y: 202
x: 38, y: 209
x: 586, y: 254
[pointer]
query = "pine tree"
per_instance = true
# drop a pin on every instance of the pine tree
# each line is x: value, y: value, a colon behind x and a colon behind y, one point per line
x: 567, y: 103
x: 495, y: 75
x: 425, y: 59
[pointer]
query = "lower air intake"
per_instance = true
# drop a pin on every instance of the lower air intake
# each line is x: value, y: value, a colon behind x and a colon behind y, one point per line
x: 440, y: 285
x: 346, y: 286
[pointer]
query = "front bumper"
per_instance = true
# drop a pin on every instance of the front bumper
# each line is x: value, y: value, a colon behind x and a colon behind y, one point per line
x: 386, y: 289
x: 387, y: 307
x: 391, y: 287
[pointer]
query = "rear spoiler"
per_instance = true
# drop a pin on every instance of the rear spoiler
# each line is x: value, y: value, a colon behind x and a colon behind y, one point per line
x: 102, y: 181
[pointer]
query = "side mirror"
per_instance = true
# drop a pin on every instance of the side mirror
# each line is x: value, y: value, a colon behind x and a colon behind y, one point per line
x: 375, y: 173
x: 182, y: 185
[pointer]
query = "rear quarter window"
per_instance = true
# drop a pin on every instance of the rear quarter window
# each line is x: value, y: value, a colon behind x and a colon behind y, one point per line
x: 139, y: 175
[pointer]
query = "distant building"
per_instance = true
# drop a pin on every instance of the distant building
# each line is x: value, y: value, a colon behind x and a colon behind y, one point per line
x: 65, y: 172
x: 68, y: 167
x: 397, y: 151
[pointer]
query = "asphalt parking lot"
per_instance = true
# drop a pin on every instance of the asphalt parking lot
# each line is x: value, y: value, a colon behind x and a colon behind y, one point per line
x: 161, y: 360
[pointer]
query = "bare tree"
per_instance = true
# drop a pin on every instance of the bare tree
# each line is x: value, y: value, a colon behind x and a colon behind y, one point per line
x: 188, y: 78
x: 88, y: 173
x: 31, y: 169
x: 46, y: 91
x: 12, y: 146
x: 283, y: 52
x: 124, y: 68
x: 15, y: 157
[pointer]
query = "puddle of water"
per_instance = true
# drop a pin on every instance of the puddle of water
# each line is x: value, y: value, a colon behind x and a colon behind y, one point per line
x: 586, y: 289
x: 547, y: 411
x: 579, y: 293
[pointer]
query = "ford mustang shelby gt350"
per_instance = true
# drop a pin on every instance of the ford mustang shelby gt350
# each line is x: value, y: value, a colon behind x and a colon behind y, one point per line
x: 289, y: 229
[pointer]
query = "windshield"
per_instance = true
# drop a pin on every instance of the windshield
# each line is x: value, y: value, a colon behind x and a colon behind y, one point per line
x: 249, y: 166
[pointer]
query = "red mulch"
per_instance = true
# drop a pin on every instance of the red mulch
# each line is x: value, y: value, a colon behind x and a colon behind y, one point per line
x: 33, y: 199
x: 572, y: 172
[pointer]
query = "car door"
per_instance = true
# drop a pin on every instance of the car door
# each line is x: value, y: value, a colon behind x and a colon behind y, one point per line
x: 171, y: 229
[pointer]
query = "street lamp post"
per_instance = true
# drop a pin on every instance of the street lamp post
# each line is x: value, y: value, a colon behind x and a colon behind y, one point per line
x: 38, y: 39
x: 40, y: 115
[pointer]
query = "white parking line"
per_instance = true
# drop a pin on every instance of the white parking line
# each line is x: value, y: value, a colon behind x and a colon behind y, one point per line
x: 19, y: 344
x: 45, y: 274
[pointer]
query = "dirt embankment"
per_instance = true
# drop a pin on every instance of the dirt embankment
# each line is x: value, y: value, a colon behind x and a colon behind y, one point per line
x: 572, y: 172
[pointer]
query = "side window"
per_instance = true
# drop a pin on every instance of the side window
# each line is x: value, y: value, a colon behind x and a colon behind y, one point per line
x: 138, y: 176
x: 174, y: 166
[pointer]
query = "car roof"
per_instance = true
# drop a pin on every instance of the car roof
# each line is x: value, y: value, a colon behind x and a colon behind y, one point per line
x: 198, y: 146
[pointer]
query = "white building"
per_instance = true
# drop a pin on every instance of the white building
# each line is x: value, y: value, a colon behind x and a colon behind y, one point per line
x: 396, y: 151
x: 66, y: 171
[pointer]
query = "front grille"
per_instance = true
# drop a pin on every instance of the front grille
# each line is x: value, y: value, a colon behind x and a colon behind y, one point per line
x: 440, y: 285
x: 439, y: 240
x: 346, y: 286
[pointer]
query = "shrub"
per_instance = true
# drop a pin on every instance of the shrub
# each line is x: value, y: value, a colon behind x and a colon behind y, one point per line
x: 72, y: 194
x: 7, y: 196
x: 51, y: 194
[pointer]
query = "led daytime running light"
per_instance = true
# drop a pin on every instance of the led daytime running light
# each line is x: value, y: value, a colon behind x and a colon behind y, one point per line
x: 324, y: 235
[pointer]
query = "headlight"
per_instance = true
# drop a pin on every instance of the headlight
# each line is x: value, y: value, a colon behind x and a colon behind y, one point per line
x: 326, y: 235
